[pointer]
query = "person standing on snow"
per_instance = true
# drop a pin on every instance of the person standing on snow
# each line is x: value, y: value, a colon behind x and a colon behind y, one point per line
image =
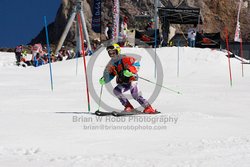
x: 124, y: 68
x: 192, y: 36
x: 18, y: 53
x: 124, y: 28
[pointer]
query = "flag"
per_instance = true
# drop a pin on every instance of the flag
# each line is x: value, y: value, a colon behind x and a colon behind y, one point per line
x: 116, y: 20
x: 237, y: 31
x: 97, y: 15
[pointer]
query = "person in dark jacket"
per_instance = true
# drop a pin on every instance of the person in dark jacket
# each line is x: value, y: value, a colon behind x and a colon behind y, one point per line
x: 108, y: 31
x: 18, y: 53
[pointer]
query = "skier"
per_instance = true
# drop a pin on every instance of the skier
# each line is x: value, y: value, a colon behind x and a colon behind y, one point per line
x: 125, y: 69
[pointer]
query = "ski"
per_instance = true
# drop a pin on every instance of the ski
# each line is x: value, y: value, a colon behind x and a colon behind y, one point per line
x: 121, y: 113
x: 136, y: 112
x: 102, y: 113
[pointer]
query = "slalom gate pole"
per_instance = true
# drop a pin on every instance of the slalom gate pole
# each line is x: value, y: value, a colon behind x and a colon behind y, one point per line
x: 160, y: 85
x: 76, y: 63
x: 116, y: 20
x: 241, y: 55
x: 84, y: 59
x: 48, y: 50
x: 228, y: 52
x: 78, y: 47
x: 178, y: 59
x: 100, y: 99
x: 155, y: 55
x: 156, y: 26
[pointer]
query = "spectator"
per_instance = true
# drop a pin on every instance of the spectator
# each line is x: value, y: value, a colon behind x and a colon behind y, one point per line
x: 65, y: 55
x: 25, y: 61
x: 37, y: 48
x: 96, y: 43
x: 45, y: 58
x: 52, y: 57
x: 60, y: 56
x: 149, y: 26
x: 70, y: 54
x: 192, y: 36
x: 108, y: 31
x: 18, y: 53
x: 38, y: 60
x: 124, y: 27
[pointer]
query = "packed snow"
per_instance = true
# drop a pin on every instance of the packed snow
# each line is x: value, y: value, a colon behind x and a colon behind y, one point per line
x: 206, y: 125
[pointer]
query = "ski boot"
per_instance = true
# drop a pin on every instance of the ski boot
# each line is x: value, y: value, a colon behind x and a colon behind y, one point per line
x: 149, y: 110
x: 128, y: 107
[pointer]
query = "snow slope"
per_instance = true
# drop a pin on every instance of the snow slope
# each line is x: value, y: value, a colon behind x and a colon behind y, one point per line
x: 207, y: 125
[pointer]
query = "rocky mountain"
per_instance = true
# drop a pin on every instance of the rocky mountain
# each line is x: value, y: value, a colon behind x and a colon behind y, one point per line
x: 217, y: 14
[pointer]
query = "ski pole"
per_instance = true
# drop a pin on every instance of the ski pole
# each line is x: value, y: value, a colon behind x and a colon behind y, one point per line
x: 99, y: 103
x: 159, y: 85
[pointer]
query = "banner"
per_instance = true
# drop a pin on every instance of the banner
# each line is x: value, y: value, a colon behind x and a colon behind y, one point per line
x: 237, y: 31
x: 97, y: 15
x: 116, y: 20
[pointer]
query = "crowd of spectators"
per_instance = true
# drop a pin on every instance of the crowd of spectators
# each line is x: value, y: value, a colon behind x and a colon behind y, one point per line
x: 39, y: 56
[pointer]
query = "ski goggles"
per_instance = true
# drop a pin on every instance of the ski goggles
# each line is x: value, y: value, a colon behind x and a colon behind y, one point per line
x: 112, y: 51
x: 110, y: 48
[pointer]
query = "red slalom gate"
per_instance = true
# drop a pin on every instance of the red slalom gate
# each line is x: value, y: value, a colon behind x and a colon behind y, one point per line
x: 84, y: 58
x: 241, y: 55
x: 228, y: 52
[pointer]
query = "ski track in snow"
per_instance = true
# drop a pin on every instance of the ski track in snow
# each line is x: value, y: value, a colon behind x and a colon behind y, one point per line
x: 202, y: 153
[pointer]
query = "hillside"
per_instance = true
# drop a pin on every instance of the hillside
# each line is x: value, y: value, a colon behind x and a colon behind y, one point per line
x: 217, y: 15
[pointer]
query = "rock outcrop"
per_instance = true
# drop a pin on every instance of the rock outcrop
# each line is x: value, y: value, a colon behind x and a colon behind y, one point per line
x: 217, y: 14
